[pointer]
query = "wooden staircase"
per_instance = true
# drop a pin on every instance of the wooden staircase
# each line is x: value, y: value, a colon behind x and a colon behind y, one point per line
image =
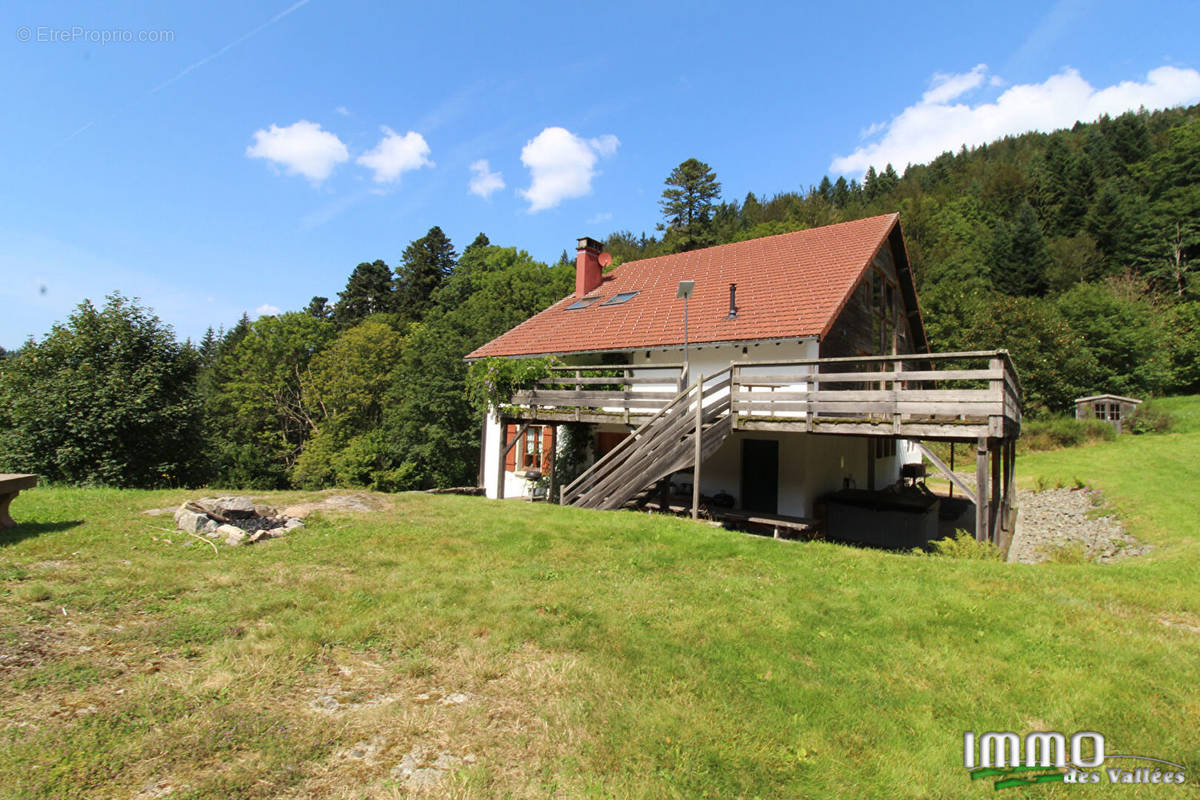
x: 664, y: 444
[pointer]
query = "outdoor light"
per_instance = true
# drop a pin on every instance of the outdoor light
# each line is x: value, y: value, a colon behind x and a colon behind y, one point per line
x: 685, y: 291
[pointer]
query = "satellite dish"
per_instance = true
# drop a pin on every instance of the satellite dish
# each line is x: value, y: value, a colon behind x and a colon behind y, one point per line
x: 605, y: 259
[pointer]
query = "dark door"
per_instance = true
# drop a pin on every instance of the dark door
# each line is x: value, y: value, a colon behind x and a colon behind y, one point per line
x: 760, y: 475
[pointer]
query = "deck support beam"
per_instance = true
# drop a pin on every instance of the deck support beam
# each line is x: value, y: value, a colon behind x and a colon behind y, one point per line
x: 981, y: 489
x: 947, y: 471
x: 504, y: 453
x: 696, y: 453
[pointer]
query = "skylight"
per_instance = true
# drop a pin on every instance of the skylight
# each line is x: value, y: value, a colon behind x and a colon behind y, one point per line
x: 618, y: 299
x: 582, y: 303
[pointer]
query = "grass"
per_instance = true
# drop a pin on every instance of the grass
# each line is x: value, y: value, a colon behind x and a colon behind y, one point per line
x: 599, y: 654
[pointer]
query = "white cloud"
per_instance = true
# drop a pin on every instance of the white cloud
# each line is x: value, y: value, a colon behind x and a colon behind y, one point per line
x: 943, y: 88
x: 266, y: 310
x: 484, y: 181
x: 345, y: 112
x: 395, y: 155
x: 603, y: 216
x: 935, y: 125
x: 301, y: 148
x: 562, y: 165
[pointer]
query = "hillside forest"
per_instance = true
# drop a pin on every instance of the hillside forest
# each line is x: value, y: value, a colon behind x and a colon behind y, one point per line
x: 1075, y: 250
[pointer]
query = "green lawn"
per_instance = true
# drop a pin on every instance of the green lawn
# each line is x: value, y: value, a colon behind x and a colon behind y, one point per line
x: 597, y: 654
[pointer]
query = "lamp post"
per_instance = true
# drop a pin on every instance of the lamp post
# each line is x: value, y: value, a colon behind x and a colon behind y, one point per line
x: 685, y: 291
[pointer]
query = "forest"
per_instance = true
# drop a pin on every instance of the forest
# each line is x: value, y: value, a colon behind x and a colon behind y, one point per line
x: 1074, y: 250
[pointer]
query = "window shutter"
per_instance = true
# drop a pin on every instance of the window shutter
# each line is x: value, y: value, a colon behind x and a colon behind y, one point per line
x: 510, y: 458
x: 547, y: 444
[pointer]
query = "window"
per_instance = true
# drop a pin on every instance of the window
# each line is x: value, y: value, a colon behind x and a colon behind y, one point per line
x: 885, y: 448
x: 618, y: 299
x: 583, y: 302
x: 533, y: 451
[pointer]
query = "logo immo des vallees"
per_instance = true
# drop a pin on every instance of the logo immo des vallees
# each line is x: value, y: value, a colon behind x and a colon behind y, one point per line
x: 1052, y: 757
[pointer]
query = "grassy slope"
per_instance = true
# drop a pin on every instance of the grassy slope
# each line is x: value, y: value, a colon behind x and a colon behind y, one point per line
x: 604, y: 654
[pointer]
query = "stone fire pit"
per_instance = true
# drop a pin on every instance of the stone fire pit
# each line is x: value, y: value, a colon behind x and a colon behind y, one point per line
x: 236, y: 520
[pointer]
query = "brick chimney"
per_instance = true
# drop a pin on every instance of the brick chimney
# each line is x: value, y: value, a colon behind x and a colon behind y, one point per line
x: 588, y: 272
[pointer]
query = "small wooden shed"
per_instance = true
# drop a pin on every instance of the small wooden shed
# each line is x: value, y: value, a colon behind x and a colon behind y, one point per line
x: 1111, y: 408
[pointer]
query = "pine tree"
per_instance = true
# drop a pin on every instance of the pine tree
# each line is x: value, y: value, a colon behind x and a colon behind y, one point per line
x: 825, y: 189
x: 1025, y: 274
x: 319, y: 307
x: 692, y: 187
x: 368, y: 291
x: 841, y: 192
x: 424, y: 267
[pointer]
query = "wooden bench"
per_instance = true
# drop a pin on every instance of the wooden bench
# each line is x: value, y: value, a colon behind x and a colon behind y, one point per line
x: 10, y: 487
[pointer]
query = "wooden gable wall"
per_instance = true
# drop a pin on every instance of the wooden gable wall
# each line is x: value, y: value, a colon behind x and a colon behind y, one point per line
x: 879, y: 317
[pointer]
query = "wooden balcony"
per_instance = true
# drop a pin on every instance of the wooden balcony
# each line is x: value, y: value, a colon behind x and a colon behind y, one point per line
x: 953, y: 396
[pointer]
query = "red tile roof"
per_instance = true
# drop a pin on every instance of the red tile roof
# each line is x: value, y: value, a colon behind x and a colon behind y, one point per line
x: 788, y: 286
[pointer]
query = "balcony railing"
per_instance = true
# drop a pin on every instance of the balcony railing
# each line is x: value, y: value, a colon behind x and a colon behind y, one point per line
x: 951, y: 395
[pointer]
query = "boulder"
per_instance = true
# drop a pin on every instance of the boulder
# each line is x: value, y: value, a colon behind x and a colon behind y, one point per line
x: 233, y: 535
x: 189, y: 521
x: 293, y: 524
x: 235, y: 507
x: 264, y: 511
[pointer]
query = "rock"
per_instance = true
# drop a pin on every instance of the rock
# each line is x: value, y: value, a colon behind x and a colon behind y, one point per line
x: 293, y: 524
x: 325, y: 703
x: 235, y: 507
x: 264, y: 511
x: 455, y: 699
x: 233, y: 535
x: 1065, y: 521
x: 209, y: 504
x: 258, y: 536
x: 211, y: 526
x: 424, y: 778
x: 189, y: 521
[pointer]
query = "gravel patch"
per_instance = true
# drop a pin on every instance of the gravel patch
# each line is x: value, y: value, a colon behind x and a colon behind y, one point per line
x: 1065, y: 519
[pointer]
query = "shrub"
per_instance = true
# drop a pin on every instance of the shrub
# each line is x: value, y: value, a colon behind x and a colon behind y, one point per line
x: 963, y: 545
x: 106, y: 398
x: 1150, y: 419
x: 1056, y: 432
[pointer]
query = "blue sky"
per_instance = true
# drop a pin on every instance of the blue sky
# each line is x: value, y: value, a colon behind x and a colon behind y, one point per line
x: 226, y: 157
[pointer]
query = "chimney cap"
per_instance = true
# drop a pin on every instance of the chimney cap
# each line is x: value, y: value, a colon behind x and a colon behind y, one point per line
x: 588, y: 243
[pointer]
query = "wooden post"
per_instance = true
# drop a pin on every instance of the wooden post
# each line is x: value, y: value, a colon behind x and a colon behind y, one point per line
x: 501, y: 452
x: 813, y: 386
x: 696, y: 452
x: 952, y: 468
x: 553, y: 462
x: 995, y: 507
x: 482, y: 454
x: 981, y: 489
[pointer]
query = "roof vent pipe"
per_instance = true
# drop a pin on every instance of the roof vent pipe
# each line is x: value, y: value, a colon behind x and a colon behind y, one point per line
x: 733, y: 300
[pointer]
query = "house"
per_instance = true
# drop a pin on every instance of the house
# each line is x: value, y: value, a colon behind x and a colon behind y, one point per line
x: 1111, y: 408
x: 796, y: 376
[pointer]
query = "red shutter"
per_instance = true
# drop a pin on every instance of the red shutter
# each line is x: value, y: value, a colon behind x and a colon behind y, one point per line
x: 510, y: 458
x: 547, y: 448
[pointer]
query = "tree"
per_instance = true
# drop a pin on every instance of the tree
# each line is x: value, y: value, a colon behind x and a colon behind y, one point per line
x: 1025, y: 273
x: 368, y: 291
x: 319, y: 307
x: 343, y: 392
x: 1052, y: 361
x: 426, y: 264
x: 256, y: 416
x: 428, y: 415
x: 692, y: 188
x: 1122, y: 330
x: 107, y: 398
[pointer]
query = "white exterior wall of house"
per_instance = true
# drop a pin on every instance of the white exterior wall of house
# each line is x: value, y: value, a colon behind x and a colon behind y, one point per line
x: 810, y: 465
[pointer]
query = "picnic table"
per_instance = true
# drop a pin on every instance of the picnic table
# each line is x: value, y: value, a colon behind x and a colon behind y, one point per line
x: 10, y: 487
